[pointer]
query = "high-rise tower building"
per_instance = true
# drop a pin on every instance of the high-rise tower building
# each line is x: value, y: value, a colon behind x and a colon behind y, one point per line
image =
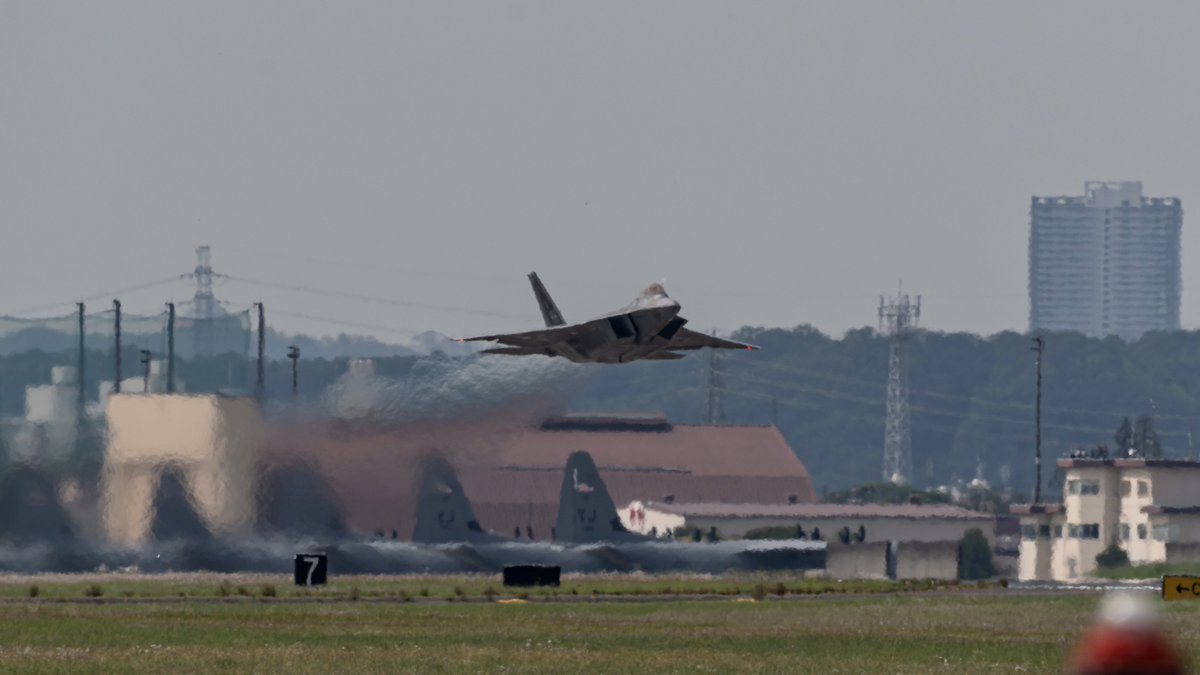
x: 1106, y: 263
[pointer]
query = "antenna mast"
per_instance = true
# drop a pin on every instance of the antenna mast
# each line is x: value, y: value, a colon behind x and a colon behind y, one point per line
x: 897, y: 320
x: 714, y: 411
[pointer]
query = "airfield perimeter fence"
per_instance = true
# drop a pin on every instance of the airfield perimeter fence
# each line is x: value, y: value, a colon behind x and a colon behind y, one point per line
x: 87, y: 342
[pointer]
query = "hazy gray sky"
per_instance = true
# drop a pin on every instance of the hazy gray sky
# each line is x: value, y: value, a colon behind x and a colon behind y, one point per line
x: 777, y: 162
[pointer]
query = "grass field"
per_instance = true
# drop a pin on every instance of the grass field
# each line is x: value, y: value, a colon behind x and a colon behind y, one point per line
x: 1151, y: 571
x: 424, y: 588
x: 154, y: 630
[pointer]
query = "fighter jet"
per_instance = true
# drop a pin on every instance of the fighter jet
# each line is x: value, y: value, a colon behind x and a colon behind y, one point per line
x: 648, y: 328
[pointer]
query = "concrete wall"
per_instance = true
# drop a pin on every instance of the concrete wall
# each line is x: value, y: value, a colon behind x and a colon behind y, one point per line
x: 212, y: 440
x: 1078, y: 556
x: 856, y: 561
x: 1038, y: 555
x: 1140, y: 549
x: 927, y: 560
x: 1171, y: 485
x: 1180, y: 552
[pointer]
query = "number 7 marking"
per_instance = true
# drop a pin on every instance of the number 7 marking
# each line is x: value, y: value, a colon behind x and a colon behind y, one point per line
x: 312, y: 561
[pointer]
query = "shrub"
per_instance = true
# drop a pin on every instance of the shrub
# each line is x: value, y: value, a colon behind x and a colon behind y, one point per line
x: 975, y: 556
x: 759, y: 592
x: 1113, y: 556
x: 774, y: 532
x: 34, y: 591
x: 94, y: 591
x: 267, y: 591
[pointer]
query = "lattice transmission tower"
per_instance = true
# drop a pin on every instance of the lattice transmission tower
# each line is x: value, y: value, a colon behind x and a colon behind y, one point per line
x: 205, y: 308
x: 897, y: 319
x: 203, y: 302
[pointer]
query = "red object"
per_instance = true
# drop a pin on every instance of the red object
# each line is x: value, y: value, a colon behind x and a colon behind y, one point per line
x: 1109, y: 650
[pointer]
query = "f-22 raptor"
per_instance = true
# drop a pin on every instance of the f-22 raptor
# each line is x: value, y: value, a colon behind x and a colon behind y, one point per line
x: 648, y: 328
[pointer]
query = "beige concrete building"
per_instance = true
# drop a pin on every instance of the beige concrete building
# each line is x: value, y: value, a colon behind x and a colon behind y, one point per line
x: 1146, y: 506
x: 878, y: 522
x: 212, y: 442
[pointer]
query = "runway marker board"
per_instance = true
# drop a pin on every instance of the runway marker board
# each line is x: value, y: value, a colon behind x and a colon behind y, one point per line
x: 312, y: 569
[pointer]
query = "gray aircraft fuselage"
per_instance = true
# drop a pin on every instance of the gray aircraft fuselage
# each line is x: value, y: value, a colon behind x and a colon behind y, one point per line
x: 648, y: 328
x: 631, y: 335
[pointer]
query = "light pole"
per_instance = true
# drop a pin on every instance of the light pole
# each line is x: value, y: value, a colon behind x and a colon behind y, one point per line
x: 145, y: 371
x: 1039, y: 346
x: 294, y: 355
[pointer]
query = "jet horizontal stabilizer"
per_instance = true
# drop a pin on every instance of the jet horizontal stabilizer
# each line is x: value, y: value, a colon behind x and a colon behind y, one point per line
x: 514, y: 351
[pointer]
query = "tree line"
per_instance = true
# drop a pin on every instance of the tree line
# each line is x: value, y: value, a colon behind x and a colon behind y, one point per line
x: 971, y: 400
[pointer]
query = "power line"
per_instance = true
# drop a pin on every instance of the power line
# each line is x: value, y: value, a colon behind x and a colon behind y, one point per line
x: 775, y: 366
x: 375, y: 299
x: 95, y: 296
x: 943, y: 412
x: 341, y: 322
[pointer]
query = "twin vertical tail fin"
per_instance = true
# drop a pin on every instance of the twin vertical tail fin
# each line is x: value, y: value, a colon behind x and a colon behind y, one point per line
x: 550, y: 312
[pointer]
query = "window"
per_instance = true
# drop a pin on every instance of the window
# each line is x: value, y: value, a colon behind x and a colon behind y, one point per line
x: 1073, y: 531
x: 1029, y: 532
x: 1084, y: 531
x: 1058, y: 531
x: 1043, y: 531
x: 1143, y: 488
x: 1083, y: 487
x: 1161, y: 533
x: 1141, y: 531
x: 1125, y: 488
x: 1124, y: 531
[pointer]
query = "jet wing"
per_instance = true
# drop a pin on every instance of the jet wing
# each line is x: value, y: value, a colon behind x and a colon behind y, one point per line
x: 689, y: 339
x: 532, y: 338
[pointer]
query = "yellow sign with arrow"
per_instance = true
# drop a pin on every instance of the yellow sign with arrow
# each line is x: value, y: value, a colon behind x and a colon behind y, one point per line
x: 1180, y: 587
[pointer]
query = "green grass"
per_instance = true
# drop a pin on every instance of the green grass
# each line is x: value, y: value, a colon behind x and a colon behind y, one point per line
x: 384, y: 624
x: 1152, y: 571
x: 905, y: 633
x: 943, y: 632
x: 459, y: 587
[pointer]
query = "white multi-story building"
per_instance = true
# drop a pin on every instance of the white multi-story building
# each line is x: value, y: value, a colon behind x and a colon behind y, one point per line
x: 1106, y: 263
x: 1149, y: 507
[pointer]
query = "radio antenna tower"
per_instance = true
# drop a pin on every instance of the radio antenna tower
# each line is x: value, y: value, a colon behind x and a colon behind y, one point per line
x: 897, y: 320
x: 714, y: 411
